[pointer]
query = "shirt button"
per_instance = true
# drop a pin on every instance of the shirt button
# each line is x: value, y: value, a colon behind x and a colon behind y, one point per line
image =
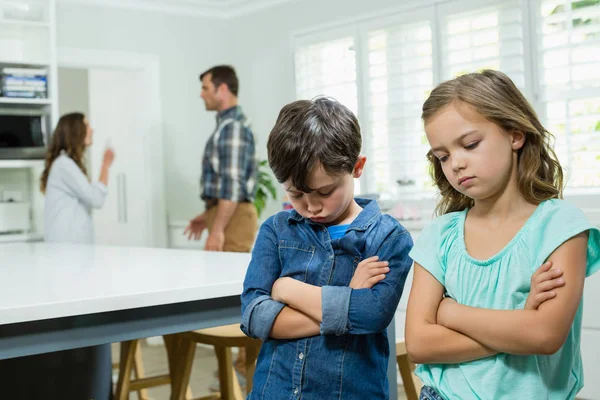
x: 296, y: 391
x: 301, y: 356
x: 331, y: 257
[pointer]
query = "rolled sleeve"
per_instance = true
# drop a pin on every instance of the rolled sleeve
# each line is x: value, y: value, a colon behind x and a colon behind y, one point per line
x: 259, y: 310
x: 259, y: 317
x: 335, y: 303
x: 372, y: 310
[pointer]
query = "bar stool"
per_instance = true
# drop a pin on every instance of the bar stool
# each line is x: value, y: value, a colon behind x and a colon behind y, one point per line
x: 131, y: 361
x: 223, y: 338
x: 138, y: 367
x: 410, y: 382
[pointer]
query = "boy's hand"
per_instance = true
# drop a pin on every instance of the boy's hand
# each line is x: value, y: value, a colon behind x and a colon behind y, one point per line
x: 369, y: 272
x: 543, y: 281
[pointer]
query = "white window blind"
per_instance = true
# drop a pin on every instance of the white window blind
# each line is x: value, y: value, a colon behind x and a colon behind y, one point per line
x: 400, y: 77
x: 327, y: 68
x: 569, y: 65
x: 484, y: 37
x: 550, y: 48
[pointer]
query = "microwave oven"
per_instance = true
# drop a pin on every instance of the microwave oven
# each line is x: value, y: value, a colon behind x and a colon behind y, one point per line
x: 23, y: 133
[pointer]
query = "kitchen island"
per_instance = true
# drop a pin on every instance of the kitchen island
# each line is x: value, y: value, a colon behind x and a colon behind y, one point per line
x: 63, y: 296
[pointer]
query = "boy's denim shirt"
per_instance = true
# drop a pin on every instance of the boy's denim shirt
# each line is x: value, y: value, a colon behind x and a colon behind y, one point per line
x: 349, y: 359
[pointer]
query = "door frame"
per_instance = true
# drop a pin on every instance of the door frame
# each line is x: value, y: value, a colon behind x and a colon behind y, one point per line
x: 149, y: 66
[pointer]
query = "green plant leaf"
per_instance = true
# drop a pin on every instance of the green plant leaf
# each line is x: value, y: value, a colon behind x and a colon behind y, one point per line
x: 271, y: 189
x: 259, y: 203
x: 265, y: 187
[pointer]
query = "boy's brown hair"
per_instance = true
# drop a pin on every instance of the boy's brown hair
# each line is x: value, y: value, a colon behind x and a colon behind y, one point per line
x: 308, y: 132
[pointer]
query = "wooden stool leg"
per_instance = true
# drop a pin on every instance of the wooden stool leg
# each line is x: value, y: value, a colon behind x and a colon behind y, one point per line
x: 138, y: 371
x: 226, y: 372
x: 237, y: 389
x: 251, y: 356
x: 180, y: 352
x: 405, y: 367
x: 126, y: 364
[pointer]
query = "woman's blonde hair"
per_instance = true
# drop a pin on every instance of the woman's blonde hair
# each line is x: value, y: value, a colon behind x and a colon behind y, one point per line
x: 495, y: 97
x: 69, y: 136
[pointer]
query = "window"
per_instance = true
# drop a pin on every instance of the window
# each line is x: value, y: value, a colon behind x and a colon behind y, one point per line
x: 400, y: 77
x: 487, y: 37
x: 568, y: 35
x: 328, y: 68
x: 550, y: 48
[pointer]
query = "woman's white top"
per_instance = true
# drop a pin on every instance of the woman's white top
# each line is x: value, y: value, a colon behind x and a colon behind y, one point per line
x: 70, y: 198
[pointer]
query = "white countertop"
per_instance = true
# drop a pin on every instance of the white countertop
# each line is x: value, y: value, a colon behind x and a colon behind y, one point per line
x: 42, y: 281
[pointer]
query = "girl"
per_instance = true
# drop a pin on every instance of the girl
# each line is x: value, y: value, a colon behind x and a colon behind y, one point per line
x: 70, y: 196
x: 501, y: 217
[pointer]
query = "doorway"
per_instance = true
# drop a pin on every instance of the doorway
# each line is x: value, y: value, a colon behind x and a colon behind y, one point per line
x: 119, y: 93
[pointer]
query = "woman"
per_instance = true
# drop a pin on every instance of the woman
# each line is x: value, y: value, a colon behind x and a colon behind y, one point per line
x: 70, y: 196
x: 84, y: 373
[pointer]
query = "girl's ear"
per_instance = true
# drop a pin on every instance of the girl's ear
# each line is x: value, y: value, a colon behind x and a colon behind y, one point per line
x: 517, y: 139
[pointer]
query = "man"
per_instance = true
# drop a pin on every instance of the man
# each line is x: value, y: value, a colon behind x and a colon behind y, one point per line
x: 229, y: 177
x: 229, y: 169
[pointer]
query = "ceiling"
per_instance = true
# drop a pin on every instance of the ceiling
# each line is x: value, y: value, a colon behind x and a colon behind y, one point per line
x: 219, y: 9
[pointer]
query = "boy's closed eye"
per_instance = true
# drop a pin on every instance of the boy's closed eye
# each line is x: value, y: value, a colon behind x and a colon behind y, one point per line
x: 322, y: 192
x: 326, y: 194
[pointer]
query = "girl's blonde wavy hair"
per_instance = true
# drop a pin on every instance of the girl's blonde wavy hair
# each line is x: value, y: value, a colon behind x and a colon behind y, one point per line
x: 495, y: 97
x: 69, y: 136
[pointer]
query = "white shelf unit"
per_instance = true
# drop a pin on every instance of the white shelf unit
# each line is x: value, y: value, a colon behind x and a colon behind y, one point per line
x: 31, y: 63
x: 28, y: 40
x: 20, y: 237
x: 24, y: 23
x: 14, y: 164
x: 25, y: 101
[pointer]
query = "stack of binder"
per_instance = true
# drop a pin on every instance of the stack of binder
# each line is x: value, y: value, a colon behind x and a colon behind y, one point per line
x: 26, y: 83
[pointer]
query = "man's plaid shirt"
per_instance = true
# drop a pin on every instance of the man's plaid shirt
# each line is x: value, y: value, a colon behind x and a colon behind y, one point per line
x: 229, y: 167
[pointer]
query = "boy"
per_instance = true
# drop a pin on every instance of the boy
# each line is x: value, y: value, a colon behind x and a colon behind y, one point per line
x: 321, y: 312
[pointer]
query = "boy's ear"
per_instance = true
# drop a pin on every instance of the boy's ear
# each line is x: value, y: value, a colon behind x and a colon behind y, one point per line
x: 359, y: 166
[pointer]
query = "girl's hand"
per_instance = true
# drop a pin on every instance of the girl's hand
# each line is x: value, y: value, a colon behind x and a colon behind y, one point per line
x: 109, y: 157
x: 445, y: 310
x: 369, y: 272
x: 543, y: 281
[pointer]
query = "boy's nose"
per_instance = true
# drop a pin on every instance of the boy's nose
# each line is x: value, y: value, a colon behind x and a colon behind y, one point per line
x: 313, y: 207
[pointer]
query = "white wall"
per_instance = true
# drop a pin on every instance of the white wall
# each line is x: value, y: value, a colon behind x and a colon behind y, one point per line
x: 258, y: 45
x: 73, y: 93
x: 186, y: 46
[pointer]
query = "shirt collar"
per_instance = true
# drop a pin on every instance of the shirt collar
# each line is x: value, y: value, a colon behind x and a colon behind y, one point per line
x: 230, y: 112
x: 370, y: 211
